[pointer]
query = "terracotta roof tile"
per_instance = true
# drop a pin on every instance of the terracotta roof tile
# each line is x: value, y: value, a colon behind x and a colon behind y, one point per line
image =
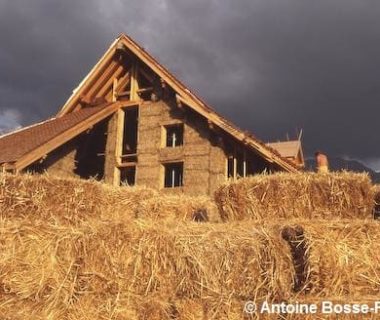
x: 15, y: 145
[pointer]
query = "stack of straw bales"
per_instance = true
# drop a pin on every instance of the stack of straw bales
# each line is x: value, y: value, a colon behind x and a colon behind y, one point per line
x: 136, y: 270
x: 73, y: 201
x: 72, y: 249
x: 289, y: 196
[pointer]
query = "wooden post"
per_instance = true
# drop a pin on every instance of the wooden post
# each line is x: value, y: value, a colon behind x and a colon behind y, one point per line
x: 119, y: 145
x: 235, y: 164
x: 114, y: 90
x: 134, y: 83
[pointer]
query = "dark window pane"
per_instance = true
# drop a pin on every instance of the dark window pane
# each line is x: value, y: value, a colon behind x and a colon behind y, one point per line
x: 174, y: 135
x: 130, y: 131
x: 173, y: 175
x: 230, y: 168
x: 128, y: 176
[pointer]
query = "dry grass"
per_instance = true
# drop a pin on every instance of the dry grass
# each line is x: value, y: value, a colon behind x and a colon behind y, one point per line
x: 289, y: 196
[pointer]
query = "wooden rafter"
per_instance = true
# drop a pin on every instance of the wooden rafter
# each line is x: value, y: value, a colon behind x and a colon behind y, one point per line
x: 108, y: 85
x: 123, y: 81
x: 102, y: 80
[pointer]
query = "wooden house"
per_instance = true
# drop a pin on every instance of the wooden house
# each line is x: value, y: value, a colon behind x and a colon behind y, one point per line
x: 130, y: 121
x: 291, y: 150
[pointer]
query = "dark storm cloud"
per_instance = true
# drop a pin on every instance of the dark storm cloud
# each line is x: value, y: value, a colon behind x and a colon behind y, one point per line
x: 271, y: 66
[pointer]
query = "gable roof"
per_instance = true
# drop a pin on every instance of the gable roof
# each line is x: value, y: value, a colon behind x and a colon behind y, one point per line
x: 287, y: 149
x: 184, y: 95
x: 31, y: 143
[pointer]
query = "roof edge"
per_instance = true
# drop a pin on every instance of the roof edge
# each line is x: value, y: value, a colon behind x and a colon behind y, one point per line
x: 66, y: 136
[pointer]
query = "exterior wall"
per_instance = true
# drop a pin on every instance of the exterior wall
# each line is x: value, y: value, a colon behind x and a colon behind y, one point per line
x: 64, y: 164
x: 204, y: 151
x: 204, y: 163
x: 60, y: 162
x: 82, y: 157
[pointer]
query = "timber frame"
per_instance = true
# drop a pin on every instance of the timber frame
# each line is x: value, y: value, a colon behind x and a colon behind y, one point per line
x: 131, y: 121
x: 184, y: 97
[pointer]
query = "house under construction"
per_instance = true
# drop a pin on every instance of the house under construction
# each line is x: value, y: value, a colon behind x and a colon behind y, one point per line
x: 130, y: 121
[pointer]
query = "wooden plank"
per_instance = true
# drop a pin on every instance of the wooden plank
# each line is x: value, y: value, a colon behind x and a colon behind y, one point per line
x: 127, y: 164
x: 114, y: 90
x: 66, y: 136
x: 102, y: 80
x: 134, y: 82
x: 107, y: 86
x: 127, y: 93
x: 123, y: 81
x: 119, y: 145
x: 235, y: 168
x: 116, y: 177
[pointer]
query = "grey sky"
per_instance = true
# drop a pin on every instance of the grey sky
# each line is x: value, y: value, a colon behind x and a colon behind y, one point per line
x: 271, y: 66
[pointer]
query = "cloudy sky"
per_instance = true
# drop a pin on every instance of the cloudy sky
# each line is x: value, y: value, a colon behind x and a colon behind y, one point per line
x: 271, y: 66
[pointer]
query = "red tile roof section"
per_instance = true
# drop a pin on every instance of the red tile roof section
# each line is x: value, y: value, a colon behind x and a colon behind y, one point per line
x: 15, y: 145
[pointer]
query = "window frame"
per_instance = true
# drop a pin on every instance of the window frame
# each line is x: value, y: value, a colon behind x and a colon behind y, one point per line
x: 166, y: 131
x: 173, y: 183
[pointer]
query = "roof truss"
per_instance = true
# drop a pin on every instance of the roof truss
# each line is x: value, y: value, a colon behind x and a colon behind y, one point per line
x: 100, y: 82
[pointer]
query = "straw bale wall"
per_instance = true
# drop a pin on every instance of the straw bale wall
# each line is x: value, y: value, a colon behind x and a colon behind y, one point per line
x: 200, y: 175
x: 307, y: 195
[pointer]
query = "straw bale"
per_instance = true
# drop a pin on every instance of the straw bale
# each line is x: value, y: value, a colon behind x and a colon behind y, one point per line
x: 23, y: 195
x: 106, y: 267
x: 104, y: 306
x: 343, y: 258
x: 307, y: 195
x: 16, y: 309
x: 190, y: 261
x: 179, y: 207
x: 189, y: 309
x: 73, y: 201
x: 40, y: 264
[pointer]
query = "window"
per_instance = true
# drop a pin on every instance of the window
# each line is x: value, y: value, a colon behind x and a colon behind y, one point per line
x: 230, y: 167
x: 173, y: 175
x: 128, y: 176
x: 174, y: 135
x: 237, y: 166
x: 130, y: 132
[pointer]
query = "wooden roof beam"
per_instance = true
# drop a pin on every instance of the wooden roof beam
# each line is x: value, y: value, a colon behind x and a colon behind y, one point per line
x: 102, y: 80
x: 107, y: 87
